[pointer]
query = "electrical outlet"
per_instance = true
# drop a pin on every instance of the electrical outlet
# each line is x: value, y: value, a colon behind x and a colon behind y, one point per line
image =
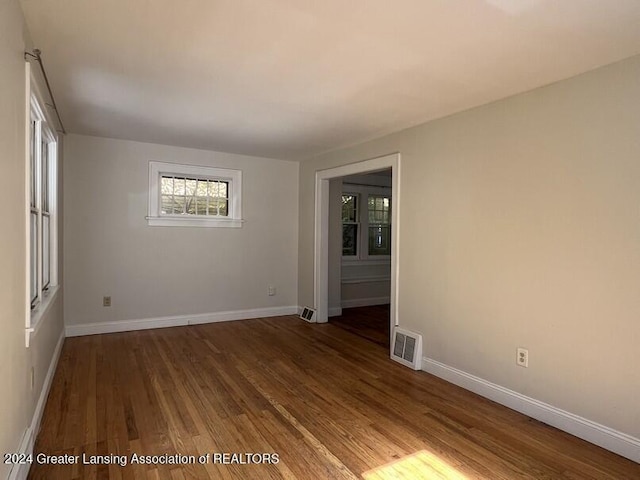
x: 106, y: 301
x: 272, y: 290
x: 522, y: 357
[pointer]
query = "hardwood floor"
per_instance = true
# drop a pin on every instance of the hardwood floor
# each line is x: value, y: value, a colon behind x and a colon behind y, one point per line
x: 371, y: 322
x: 329, y: 403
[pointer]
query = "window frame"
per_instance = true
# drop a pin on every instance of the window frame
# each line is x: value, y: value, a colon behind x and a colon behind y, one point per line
x: 357, y: 208
x: 41, y: 195
x: 156, y: 218
x: 379, y: 225
x: 364, y: 192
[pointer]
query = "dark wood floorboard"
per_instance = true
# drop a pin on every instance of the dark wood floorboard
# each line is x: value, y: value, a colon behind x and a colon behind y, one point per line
x: 330, y: 403
x: 371, y: 322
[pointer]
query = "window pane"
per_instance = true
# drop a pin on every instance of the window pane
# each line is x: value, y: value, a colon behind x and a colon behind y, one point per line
x: 179, y: 186
x: 167, y: 204
x: 224, y: 189
x: 224, y: 208
x: 190, y: 205
x: 350, y: 239
x: 178, y: 204
x: 45, y: 177
x: 191, y: 186
x: 46, y: 256
x: 33, y: 259
x: 379, y: 209
x: 33, y: 163
x: 380, y: 240
x: 166, y: 185
x: 349, y: 208
x: 201, y: 191
x: 201, y: 204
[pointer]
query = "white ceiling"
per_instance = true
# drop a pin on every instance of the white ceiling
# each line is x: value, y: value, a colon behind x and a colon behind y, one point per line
x: 293, y: 78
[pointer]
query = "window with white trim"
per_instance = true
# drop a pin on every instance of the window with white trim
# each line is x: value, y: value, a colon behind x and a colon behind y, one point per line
x: 350, y: 224
x: 42, y: 170
x: 194, y: 196
x: 379, y: 209
x: 366, y: 223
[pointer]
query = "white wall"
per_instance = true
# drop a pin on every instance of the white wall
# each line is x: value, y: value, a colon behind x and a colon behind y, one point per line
x: 520, y: 226
x: 18, y: 400
x: 154, y: 272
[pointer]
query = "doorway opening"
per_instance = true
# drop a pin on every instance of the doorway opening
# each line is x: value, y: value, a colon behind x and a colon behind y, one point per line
x: 378, y: 241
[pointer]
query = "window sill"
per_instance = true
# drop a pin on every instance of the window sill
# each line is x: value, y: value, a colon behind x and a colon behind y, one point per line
x: 188, y: 221
x: 38, y: 313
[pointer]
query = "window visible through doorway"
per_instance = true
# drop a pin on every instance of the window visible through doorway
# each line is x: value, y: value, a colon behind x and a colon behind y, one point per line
x: 350, y: 225
x: 374, y: 219
x: 379, y: 208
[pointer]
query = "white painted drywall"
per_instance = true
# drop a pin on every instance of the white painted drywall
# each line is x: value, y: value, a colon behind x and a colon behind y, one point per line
x: 520, y: 227
x: 18, y: 400
x: 152, y: 272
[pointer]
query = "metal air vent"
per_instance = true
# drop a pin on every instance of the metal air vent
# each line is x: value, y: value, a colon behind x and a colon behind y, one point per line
x: 308, y: 315
x: 407, y: 348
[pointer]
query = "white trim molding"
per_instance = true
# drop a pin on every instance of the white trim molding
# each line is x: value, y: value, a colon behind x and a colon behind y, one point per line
x: 21, y: 471
x: 601, y: 435
x: 176, y: 321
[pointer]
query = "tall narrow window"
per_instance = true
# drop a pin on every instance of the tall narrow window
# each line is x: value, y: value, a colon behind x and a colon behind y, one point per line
x: 379, y: 225
x: 42, y: 168
x: 33, y: 215
x: 350, y: 225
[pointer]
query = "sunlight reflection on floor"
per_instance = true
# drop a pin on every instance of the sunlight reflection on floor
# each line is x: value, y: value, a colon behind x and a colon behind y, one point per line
x: 421, y: 465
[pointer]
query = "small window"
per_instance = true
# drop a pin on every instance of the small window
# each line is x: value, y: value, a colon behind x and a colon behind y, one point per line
x: 194, y: 196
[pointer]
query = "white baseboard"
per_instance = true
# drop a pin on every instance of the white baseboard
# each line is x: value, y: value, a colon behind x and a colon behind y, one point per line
x: 365, y: 302
x: 335, y: 311
x: 20, y: 472
x: 176, y: 321
x: 605, y: 437
x: 365, y: 279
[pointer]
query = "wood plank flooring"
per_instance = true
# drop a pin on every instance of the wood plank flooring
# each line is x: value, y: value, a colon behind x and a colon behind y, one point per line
x: 371, y: 322
x: 329, y: 403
